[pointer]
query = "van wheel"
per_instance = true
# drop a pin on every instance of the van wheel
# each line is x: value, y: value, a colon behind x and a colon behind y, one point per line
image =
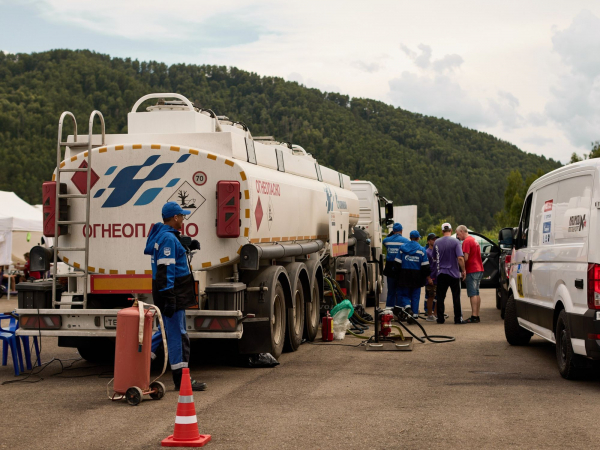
x: 278, y: 316
x: 295, y: 321
x: 515, y: 334
x: 498, y: 298
x: 566, y: 358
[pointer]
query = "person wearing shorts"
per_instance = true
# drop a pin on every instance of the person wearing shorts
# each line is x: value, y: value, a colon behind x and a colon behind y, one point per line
x: 474, y: 269
x: 431, y: 288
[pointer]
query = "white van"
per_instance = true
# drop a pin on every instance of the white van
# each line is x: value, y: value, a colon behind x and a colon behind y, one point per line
x: 554, y: 283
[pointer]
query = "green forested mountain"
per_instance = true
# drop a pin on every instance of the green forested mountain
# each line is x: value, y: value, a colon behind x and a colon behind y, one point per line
x: 444, y: 168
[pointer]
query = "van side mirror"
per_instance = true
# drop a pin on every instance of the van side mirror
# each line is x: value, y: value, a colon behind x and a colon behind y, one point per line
x: 505, y: 237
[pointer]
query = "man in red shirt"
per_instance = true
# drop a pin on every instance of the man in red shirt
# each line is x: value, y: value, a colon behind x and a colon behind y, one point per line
x: 474, y: 269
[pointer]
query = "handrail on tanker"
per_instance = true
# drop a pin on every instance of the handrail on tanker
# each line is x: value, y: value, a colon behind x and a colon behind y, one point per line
x: 162, y: 95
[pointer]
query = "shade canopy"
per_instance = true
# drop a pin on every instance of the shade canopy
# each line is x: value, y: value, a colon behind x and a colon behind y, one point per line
x: 21, y: 227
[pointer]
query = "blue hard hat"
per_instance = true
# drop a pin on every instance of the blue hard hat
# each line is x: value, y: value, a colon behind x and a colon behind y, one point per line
x: 414, y: 234
x: 397, y: 227
x: 172, y: 209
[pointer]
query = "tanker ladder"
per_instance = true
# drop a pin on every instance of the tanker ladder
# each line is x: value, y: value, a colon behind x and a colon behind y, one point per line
x: 62, y: 224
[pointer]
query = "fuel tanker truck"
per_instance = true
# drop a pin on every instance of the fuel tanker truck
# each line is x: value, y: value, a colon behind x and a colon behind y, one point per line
x: 271, y: 223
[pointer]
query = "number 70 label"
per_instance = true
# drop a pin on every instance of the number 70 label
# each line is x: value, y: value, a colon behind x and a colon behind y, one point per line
x: 199, y: 178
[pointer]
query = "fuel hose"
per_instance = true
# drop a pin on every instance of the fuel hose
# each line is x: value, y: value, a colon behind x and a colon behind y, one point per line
x: 435, y: 339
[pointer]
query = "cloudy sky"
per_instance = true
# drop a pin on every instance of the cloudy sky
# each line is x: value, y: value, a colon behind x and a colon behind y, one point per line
x: 527, y: 71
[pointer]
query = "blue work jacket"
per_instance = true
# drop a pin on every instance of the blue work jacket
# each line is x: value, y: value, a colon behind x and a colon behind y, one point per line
x: 172, y: 280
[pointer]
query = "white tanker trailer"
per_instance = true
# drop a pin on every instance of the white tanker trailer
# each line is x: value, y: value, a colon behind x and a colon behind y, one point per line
x: 270, y: 221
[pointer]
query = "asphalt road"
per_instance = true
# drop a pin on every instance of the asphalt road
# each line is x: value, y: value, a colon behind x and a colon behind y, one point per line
x: 477, y: 392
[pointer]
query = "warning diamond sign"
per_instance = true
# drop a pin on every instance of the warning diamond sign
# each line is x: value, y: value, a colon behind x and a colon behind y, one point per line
x: 188, y: 198
x: 258, y: 213
x: 80, y: 179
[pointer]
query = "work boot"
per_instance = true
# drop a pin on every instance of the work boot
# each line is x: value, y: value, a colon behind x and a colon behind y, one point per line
x: 196, y: 386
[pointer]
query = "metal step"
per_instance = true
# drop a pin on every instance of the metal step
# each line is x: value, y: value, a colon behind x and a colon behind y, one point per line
x: 78, y: 144
x: 72, y: 196
x: 83, y: 169
x: 71, y: 275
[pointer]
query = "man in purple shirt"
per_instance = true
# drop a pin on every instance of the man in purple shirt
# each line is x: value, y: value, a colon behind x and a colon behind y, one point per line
x: 451, y: 269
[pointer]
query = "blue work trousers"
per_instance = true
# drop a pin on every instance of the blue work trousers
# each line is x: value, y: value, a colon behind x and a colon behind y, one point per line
x: 178, y: 341
x: 410, y: 297
x: 393, y: 293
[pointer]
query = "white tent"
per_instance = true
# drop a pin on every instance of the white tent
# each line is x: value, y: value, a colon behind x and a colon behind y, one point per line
x: 21, y: 227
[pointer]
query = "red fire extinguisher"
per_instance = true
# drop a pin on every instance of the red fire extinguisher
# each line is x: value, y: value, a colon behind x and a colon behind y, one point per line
x: 386, y: 324
x: 327, y: 327
x: 132, y: 355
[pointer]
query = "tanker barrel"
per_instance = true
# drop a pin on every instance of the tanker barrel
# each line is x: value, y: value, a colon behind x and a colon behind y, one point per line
x: 251, y: 254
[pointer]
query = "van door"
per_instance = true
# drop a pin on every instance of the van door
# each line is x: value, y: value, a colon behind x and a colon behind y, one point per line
x: 490, y: 257
x: 544, y: 247
x: 567, y: 258
x: 523, y: 253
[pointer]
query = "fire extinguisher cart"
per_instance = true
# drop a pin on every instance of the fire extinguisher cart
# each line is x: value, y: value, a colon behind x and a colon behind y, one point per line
x: 133, y: 355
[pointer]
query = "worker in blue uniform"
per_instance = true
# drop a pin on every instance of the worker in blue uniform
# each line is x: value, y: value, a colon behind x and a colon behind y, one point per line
x: 414, y: 274
x: 393, y: 243
x: 173, y: 288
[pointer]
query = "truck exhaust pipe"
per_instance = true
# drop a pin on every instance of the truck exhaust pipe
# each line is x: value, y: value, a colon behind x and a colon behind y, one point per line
x: 251, y: 254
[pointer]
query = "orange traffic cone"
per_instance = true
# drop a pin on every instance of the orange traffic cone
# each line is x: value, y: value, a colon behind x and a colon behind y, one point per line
x: 186, y: 432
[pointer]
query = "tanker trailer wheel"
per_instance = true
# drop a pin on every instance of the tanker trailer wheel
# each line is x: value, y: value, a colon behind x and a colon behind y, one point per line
x: 99, y: 350
x: 278, y: 315
x: 353, y: 294
x: 160, y: 390
x: 134, y: 396
x: 311, y: 317
x: 363, y: 288
x: 295, y: 320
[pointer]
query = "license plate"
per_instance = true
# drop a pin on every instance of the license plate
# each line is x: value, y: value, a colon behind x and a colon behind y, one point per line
x: 110, y: 322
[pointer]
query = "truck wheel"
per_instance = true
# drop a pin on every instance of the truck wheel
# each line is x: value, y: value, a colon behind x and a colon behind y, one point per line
x: 278, y: 315
x: 311, y: 317
x: 569, y: 365
x: 515, y: 334
x: 295, y: 321
x: 363, y: 288
x: 101, y: 351
x: 353, y: 294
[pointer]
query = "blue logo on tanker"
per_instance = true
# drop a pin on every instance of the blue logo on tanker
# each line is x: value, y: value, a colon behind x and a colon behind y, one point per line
x: 329, y: 199
x: 125, y: 186
x: 332, y: 200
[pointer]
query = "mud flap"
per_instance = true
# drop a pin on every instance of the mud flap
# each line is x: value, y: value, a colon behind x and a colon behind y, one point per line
x: 256, y: 337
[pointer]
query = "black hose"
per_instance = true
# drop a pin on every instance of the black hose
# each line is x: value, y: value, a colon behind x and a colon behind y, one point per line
x: 436, y: 339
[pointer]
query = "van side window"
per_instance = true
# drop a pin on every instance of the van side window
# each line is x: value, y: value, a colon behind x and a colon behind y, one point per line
x: 524, y: 225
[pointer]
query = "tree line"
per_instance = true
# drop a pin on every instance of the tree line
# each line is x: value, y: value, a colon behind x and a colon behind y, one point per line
x: 446, y: 169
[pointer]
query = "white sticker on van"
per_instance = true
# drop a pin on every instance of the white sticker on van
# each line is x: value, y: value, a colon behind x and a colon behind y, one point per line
x: 547, y: 222
x: 577, y: 223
